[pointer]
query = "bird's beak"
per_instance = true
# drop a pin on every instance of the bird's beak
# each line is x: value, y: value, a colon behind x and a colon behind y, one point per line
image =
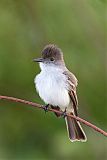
x: 38, y: 60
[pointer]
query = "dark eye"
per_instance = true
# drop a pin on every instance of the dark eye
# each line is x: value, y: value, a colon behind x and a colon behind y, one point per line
x: 52, y: 59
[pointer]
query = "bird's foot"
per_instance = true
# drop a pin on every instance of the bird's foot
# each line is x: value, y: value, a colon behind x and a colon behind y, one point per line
x: 64, y: 114
x: 46, y: 108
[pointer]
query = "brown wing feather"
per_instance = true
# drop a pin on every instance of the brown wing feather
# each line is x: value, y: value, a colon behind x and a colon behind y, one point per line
x: 72, y: 90
x: 75, y: 102
x: 57, y: 108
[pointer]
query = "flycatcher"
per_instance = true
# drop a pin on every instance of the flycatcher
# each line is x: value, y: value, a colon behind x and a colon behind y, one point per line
x: 56, y: 86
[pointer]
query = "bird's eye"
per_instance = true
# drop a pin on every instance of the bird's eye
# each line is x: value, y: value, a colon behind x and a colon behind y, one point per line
x: 52, y: 59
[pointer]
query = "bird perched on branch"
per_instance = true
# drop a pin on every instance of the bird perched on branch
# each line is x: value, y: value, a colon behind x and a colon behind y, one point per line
x: 56, y: 86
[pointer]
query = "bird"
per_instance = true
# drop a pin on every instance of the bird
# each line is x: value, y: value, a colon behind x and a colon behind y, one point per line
x: 56, y: 86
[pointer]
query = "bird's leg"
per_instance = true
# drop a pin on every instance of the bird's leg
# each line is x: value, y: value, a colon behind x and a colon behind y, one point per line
x: 64, y: 114
x: 45, y: 107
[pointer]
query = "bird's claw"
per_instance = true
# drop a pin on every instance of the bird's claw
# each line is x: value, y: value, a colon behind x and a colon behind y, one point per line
x: 64, y: 114
x: 46, y: 108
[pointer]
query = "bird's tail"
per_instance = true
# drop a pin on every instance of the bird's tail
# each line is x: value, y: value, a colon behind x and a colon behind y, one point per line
x: 75, y: 130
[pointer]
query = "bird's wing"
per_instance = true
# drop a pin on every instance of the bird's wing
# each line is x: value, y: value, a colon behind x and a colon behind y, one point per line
x: 72, y: 81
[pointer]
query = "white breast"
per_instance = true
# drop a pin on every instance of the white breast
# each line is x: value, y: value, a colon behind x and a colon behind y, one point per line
x: 52, y: 87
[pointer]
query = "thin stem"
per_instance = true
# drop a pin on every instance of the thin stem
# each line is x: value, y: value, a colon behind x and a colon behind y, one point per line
x: 54, y: 110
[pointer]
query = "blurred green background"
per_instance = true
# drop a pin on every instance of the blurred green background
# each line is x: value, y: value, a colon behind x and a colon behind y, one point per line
x: 79, y: 29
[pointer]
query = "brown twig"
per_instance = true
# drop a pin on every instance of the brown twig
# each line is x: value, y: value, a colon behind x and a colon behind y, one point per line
x: 53, y: 110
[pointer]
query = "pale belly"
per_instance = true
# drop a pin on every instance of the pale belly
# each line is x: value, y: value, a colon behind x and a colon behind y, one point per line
x: 52, y: 88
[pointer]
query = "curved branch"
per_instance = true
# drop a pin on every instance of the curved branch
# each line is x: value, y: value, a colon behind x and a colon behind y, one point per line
x: 53, y: 110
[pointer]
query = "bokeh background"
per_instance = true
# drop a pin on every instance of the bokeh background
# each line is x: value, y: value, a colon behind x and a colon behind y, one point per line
x: 78, y: 27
